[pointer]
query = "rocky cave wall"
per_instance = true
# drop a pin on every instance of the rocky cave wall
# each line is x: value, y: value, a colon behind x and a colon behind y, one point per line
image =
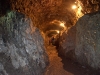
x: 41, y: 12
x: 67, y: 43
x: 45, y: 11
x: 22, y: 46
x: 22, y: 50
x: 82, y: 42
x: 87, y: 40
x: 38, y: 10
x: 90, y: 6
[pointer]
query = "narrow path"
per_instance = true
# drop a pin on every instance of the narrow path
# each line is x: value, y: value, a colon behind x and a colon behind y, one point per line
x: 59, y: 66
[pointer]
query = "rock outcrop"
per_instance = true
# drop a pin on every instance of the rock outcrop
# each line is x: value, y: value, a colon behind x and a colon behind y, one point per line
x: 87, y: 40
x: 67, y: 43
x: 82, y: 41
x: 22, y: 50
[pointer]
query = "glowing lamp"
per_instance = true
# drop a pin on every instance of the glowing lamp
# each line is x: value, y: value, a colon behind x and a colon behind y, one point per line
x: 75, y: 2
x: 62, y: 24
x: 58, y: 31
x: 74, y: 7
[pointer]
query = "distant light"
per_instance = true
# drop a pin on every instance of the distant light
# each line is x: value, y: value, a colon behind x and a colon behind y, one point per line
x: 75, y: 2
x: 62, y: 24
x: 74, y: 7
x: 58, y: 31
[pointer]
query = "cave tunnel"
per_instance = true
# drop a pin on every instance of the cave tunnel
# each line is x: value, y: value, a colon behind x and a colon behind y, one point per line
x: 49, y: 37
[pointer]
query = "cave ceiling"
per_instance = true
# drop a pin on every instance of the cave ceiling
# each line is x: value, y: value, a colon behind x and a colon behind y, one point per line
x: 48, y: 15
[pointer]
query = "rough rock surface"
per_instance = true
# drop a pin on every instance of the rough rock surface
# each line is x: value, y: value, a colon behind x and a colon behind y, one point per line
x: 67, y: 43
x: 22, y: 50
x: 88, y: 40
x: 82, y: 41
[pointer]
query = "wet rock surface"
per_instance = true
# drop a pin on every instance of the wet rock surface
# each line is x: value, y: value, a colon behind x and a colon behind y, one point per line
x: 22, y: 50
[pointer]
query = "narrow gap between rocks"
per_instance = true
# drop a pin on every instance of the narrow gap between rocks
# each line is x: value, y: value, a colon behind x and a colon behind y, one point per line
x: 27, y: 27
x: 59, y: 65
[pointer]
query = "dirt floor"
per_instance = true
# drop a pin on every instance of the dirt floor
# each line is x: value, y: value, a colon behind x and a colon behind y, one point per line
x: 62, y: 66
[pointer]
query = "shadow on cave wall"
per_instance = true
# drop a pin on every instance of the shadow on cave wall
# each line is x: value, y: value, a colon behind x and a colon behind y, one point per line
x: 5, y: 6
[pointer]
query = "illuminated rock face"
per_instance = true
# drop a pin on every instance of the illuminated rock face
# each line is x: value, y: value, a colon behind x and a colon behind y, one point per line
x: 88, y: 40
x: 90, y: 6
x: 22, y: 50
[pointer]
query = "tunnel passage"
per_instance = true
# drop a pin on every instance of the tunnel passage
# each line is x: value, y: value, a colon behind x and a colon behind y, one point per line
x: 53, y: 18
x: 46, y: 15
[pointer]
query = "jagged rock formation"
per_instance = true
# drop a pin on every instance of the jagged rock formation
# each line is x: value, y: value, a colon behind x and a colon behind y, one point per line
x: 83, y: 41
x: 22, y: 50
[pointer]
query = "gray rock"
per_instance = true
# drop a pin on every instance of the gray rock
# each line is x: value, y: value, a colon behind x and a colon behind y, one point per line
x: 82, y: 41
x: 67, y: 43
x: 22, y: 50
x: 88, y: 40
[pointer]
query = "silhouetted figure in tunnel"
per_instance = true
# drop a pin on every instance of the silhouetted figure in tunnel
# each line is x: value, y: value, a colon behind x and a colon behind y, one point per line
x: 57, y: 43
x: 53, y: 40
